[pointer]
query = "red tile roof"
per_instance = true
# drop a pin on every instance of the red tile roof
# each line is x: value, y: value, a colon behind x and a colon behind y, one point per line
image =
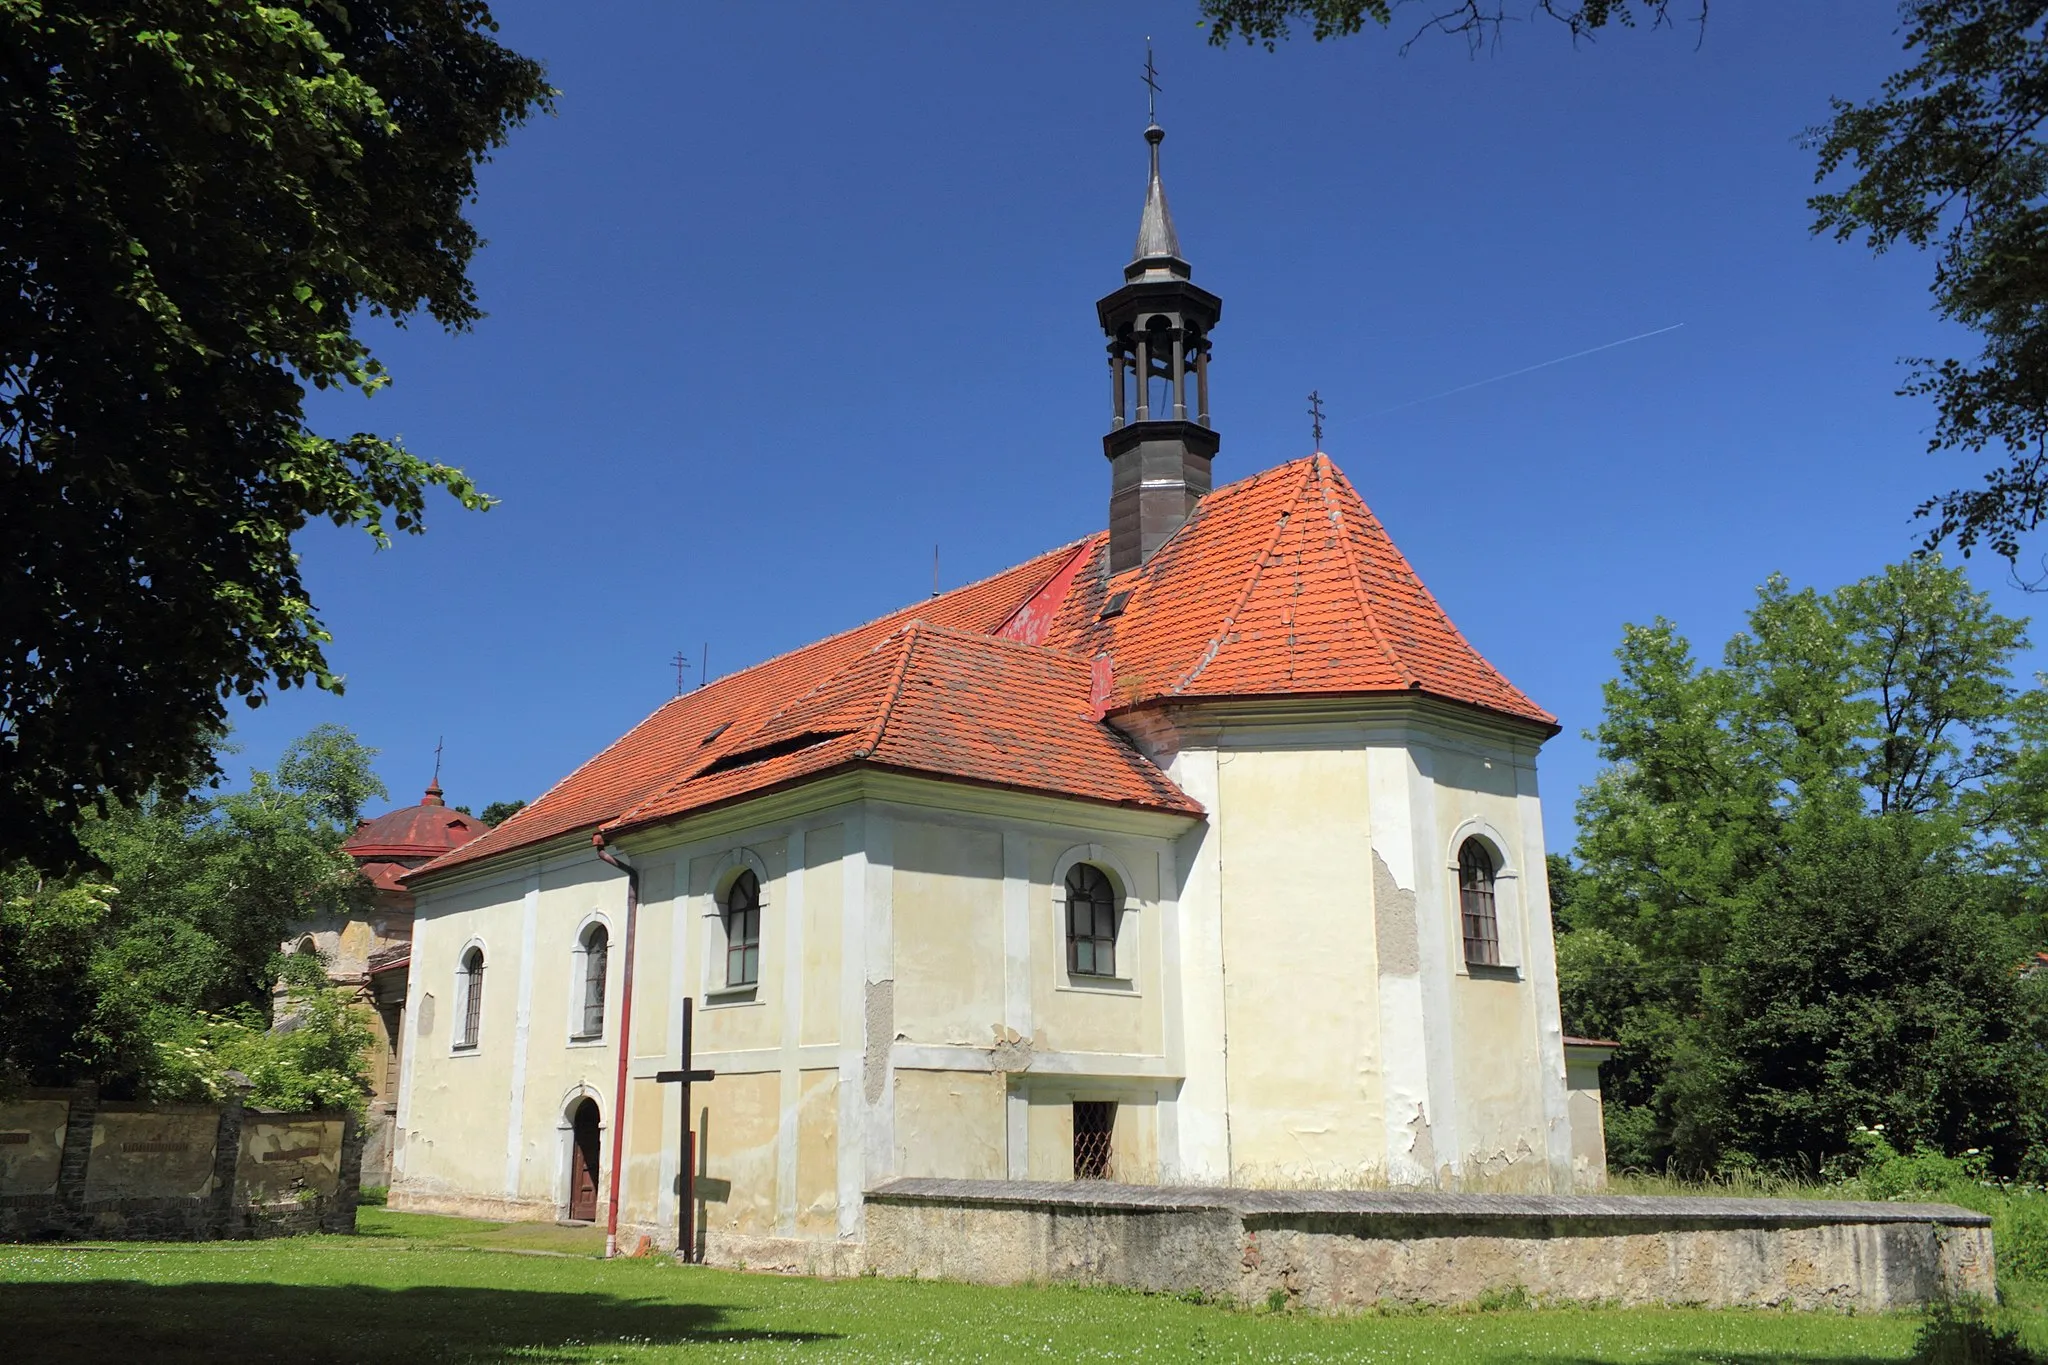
x: 1283, y: 584
x: 942, y: 703
x: 677, y: 738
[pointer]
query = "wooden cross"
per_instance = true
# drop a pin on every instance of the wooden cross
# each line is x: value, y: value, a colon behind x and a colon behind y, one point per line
x: 686, y: 1207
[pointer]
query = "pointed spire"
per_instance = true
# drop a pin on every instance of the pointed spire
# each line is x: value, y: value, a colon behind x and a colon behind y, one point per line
x: 1156, y: 236
x: 1158, y: 247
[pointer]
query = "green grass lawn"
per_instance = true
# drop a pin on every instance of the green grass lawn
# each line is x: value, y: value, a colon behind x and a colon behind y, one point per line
x: 418, y: 1288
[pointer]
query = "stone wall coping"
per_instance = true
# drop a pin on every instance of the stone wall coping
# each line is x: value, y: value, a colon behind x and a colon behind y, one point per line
x: 1643, y: 1208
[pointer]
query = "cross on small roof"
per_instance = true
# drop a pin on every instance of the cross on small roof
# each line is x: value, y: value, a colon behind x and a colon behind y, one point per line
x: 1315, y: 414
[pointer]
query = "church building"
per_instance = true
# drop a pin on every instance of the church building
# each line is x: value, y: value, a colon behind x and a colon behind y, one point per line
x: 1203, y: 849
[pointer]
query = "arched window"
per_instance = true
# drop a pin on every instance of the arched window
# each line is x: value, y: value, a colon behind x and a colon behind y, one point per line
x: 472, y: 998
x: 1091, y: 922
x: 1475, y: 901
x: 743, y: 930
x: 596, y: 949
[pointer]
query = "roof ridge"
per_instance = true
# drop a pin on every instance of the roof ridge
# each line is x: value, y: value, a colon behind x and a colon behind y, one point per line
x: 1457, y: 631
x: 978, y: 637
x: 1365, y: 610
x: 1251, y: 583
x: 911, y: 630
x: 877, y: 620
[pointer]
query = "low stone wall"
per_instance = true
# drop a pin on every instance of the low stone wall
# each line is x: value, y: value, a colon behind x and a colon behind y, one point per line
x: 1342, y: 1250
x: 75, y: 1166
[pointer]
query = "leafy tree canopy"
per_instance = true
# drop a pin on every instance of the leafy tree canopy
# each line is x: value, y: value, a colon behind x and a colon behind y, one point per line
x: 120, y: 975
x: 198, y: 198
x: 498, y: 812
x: 1808, y: 880
x: 1948, y: 157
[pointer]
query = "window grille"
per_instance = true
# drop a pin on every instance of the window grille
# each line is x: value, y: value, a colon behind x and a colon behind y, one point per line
x: 472, y: 997
x: 1091, y: 922
x: 596, y: 949
x: 1475, y: 898
x: 743, y: 931
x: 1094, y: 1123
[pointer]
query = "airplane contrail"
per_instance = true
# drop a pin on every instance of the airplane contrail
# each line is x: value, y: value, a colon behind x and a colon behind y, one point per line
x: 1526, y: 369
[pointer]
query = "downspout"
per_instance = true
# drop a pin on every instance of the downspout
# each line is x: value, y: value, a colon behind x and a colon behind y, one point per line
x: 611, y: 1221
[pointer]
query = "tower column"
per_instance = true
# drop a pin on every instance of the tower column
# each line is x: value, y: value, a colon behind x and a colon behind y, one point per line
x: 1180, y: 380
x: 1144, y: 380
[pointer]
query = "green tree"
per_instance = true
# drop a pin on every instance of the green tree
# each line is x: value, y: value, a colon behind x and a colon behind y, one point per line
x: 96, y: 975
x: 498, y: 812
x: 1949, y: 157
x: 198, y: 199
x: 1802, y: 904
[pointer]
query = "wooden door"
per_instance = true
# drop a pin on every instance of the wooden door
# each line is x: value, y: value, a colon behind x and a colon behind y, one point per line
x: 583, y: 1165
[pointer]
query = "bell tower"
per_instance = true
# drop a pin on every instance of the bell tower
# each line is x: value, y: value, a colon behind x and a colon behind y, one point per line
x: 1160, y: 442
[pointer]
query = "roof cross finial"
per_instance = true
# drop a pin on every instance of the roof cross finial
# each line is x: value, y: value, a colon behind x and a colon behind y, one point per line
x: 681, y: 661
x: 437, y: 759
x: 1315, y: 415
x: 1151, y: 84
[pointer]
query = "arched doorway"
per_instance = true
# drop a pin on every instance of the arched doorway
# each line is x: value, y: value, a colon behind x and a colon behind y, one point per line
x: 583, y: 1163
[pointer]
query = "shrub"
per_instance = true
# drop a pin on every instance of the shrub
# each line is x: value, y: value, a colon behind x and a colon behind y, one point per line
x: 1966, y: 1334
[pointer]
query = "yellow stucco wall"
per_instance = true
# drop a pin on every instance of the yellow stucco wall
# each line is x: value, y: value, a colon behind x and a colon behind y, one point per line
x: 950, y: 1123
x: 948, y: 910
x: 1299, y: 965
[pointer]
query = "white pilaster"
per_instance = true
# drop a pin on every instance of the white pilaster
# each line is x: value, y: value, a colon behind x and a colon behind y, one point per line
x: 853, y: 865
x: 1017, y: 1012
x: 1540, y: 962
x: 522, y: 1029
x: 1203, y: 1118
x: 1172, y: 1021
x: 1398, y: 928
x: 1432, y: 902
x: 791, y: 949
x: 879, y: 1002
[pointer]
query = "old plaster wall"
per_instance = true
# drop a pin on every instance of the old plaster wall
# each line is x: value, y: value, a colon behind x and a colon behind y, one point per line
x: 87, y: 1167
x: 31, y: 1144
x: 1301, y: 1008
x: 948, y: 912
x: 455, y: 1104
x: 1496, y: 1020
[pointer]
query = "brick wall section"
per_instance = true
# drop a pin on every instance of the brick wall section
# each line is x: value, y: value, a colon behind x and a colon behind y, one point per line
x: 226, y: 1210
x: 78, y: 1123
x: 227, y: 1149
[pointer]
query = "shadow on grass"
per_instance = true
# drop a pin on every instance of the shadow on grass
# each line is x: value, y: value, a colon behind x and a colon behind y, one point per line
x: 97, y: 1320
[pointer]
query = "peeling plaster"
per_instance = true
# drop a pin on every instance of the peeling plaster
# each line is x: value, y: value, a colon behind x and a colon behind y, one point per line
x: 1394, y: 928
x: 1012, y: 1051
x: 881, y: 1032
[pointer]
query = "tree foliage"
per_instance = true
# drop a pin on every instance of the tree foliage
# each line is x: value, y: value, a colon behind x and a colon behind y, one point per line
x: 1949, y: 157
x: 1805, y: 884
x: 198, y: 201
x: 174, y: 945
x: 498, y: 812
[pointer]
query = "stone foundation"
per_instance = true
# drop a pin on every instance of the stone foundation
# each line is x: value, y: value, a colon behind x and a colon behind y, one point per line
x: 1338, y: 1251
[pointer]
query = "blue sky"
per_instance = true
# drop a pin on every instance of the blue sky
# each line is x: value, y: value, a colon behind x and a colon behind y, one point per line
x: 784, y: 294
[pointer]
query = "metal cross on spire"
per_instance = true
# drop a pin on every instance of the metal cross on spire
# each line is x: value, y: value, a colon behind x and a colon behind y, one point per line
x: 437, y: 759
x: 1315, y: 415
x: 1151, y: 84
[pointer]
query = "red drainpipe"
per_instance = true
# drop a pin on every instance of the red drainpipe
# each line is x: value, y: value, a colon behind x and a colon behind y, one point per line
x: 611, y: 1221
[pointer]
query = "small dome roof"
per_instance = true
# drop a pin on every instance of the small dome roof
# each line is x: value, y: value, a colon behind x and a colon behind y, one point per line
x: 424, y: 831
